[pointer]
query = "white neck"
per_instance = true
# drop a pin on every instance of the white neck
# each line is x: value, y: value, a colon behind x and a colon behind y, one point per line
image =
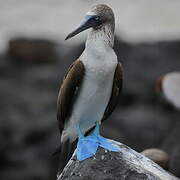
x: 99, y: 46
x: 102, y: 37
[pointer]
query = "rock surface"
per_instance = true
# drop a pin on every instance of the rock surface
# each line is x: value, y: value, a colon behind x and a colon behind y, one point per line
x: 105, y: 165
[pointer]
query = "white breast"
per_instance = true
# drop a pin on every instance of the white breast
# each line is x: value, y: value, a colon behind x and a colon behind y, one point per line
x: 95, y: 91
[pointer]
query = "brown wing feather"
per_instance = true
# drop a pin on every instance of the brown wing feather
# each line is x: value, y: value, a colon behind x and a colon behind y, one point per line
x: 69, y: 88
x: 116, y: 89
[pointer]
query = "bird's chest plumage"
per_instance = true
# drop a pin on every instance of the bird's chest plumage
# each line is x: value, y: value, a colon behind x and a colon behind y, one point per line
x: 95, y: 91
x: 99, y: 74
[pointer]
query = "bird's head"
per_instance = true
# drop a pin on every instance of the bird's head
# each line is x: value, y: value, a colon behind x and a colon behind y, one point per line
x: 99, y: 16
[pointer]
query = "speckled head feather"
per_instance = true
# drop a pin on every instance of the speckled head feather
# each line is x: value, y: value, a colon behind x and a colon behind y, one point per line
x: 101, y: 21
x: 105, y: 14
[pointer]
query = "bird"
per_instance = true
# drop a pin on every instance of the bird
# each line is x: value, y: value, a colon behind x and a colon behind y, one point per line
x: 90, y: 90
x: 169, y: 85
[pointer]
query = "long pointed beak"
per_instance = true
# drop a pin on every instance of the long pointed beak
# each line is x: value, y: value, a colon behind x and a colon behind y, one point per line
x: 87, y: 23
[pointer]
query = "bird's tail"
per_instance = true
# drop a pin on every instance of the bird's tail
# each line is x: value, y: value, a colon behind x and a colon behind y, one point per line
x: 66, y: 151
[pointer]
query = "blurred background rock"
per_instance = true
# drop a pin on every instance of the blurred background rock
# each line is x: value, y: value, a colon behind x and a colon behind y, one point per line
x: 34, y: 58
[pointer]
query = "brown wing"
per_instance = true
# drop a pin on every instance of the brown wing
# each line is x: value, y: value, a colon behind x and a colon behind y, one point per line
x: 69, y: 88
x: 116, y: 89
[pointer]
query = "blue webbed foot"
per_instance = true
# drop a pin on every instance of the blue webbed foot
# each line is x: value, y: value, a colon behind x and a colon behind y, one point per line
x: 106, y: 144
x: 86, y: 147
x: 103, y: 142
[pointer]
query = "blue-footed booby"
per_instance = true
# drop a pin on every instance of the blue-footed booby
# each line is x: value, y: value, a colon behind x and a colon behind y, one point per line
x: 90, y: 89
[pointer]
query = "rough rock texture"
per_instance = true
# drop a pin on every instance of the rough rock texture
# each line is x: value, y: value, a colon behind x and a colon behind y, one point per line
x: 105, y: 165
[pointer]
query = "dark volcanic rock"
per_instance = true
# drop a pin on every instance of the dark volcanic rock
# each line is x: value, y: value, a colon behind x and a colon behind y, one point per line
x: 105, y: 165
x: 172, y: 145
x: 28, y: 126
x: 32, y: 50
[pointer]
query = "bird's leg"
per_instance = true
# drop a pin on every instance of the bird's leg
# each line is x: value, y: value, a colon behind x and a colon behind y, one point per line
x: 104, y: 142
x: 86, y: 146
x: 80, y: 134
x: 96, y: 130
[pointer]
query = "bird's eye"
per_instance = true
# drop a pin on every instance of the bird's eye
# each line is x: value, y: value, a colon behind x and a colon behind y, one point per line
x: 97, y: 18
